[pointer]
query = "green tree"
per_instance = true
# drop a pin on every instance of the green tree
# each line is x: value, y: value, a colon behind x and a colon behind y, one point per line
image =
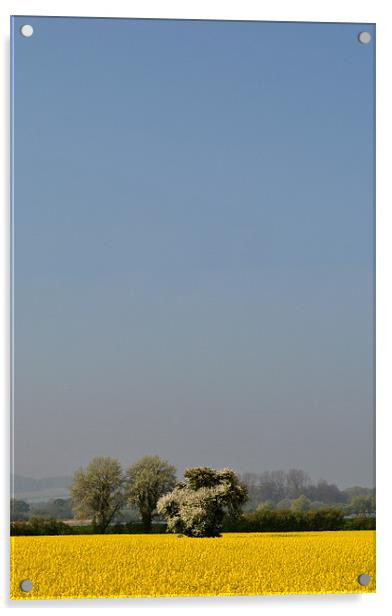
x: 266, y: 505
x: 147, y: 480
x: 302, y: 503
x: 98, y: 491
x: 314, y: 505
x: 197, y: 506
x: 363, y: 505
x: 59, y: 509
x: 284, y: 504
x: 19, y: 510
x: 297, y: 482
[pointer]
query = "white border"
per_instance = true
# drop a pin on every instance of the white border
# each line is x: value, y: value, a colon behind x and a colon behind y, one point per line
x: 369, y: 11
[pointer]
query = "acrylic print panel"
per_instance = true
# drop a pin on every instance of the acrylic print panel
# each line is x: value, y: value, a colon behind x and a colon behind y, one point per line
x: 193, y: 317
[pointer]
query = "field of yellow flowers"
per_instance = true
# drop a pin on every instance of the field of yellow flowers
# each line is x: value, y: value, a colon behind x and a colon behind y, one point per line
x: 81, y: 566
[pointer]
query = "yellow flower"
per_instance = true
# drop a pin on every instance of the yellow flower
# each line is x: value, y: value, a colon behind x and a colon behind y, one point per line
x: 82, y: 566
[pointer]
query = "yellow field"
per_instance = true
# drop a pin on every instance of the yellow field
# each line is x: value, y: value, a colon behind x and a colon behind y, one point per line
x: 82, y: 566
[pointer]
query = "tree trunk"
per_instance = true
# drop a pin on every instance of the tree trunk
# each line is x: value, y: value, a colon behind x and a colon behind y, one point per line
x: 146, y: 520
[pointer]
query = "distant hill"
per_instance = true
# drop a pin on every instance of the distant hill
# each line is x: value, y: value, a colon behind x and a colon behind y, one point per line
x: 35, y: 490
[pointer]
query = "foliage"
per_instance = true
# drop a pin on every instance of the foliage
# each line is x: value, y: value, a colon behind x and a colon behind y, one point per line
x: 40, y: 526
x: 19, y: 510
x: 58, y: 508
x: 196, y: 507
x: 316, y: 505
x: 361, y: 523
x: 281, y: 522
x: 285, y: 503
x: 302, y: 503
x: 280, y: 486
x: 285, y: 520
x: 297, y: 482
x: 363, y: 505
x: 325, y: 492
x: 268, y: 504
x: 149, y: 479
x: 354, y: 491
x: 98, y: 492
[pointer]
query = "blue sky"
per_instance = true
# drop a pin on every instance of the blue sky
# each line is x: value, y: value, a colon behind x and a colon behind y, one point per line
x: 193, y: 245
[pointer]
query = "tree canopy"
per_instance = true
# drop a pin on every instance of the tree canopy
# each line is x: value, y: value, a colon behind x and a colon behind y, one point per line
x: 148, y: 479
x: 197, y: 505
x: 98, y: 491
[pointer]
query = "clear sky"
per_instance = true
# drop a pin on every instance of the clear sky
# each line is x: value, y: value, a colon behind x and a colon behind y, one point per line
x: 193, y: 245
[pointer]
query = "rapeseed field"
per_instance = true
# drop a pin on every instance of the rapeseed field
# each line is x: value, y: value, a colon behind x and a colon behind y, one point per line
x: 82, y: 566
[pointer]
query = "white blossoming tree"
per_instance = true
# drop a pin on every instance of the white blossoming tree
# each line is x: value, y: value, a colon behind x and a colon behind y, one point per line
x: 197, y: 506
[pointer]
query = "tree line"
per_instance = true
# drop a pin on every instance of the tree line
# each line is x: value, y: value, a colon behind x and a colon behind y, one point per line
x: 195, y: 506
x: 203, y: 503
x: 295, y: 490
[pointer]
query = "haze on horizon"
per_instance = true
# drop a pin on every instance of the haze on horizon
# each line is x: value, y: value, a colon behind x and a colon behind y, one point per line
x: 194, y: 246
x: 58, y: 480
